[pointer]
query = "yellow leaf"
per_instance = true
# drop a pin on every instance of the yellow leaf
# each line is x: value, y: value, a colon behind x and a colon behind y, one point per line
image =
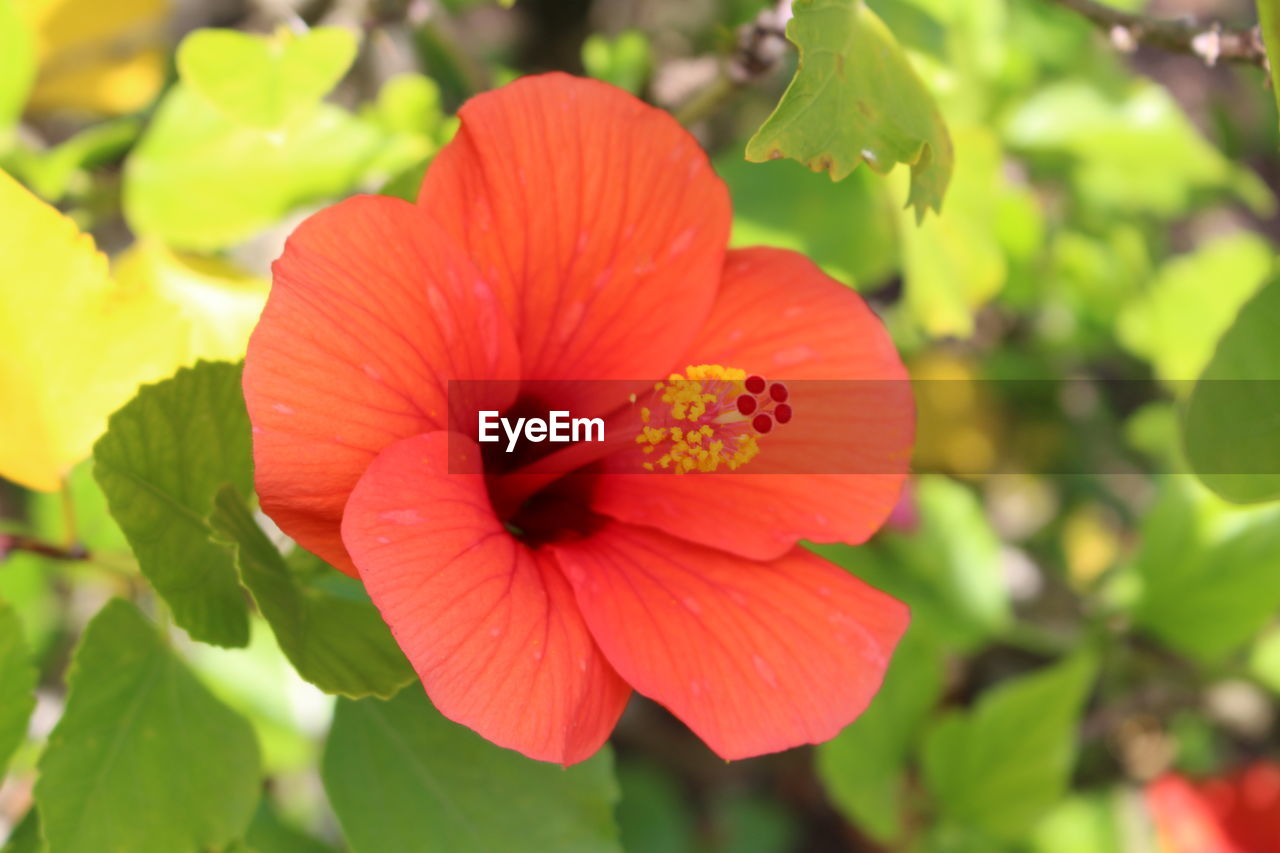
x: 78, y: 342
x: 76, y: 346
x: 218, y: 304
x: 102, y: 57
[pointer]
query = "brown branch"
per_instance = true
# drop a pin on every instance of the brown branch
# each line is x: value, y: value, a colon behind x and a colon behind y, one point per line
x: 10, y: 542
x: 1209, y: 41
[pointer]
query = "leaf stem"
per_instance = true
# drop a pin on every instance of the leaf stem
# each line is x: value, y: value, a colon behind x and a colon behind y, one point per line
x: 1211, y: 42
x: 17, y: 542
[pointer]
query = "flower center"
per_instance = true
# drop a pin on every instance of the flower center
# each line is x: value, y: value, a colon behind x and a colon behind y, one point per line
x: 710, y: 416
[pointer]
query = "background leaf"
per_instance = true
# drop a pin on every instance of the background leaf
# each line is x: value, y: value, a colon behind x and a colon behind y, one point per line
x: 864, y: 767
x: 402, y: 777
x: 76, y: 344
x: 1232, y: 420
x: 999, y: 767
x: 160, y: 464
x: 1208, y: 584
x: 1176, y: 320
x: 17, y: 62
x: 265, y: 82
x: 144, y: 758
x: 245, y: 179
x: 339, y: 645
x: 948, y: 568
x: 855, y: 99
x: 1269, y: 24
x: 17, y: 685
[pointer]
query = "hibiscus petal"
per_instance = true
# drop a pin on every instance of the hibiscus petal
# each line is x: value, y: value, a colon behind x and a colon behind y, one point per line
x: 490, y: 625
x: 599, y: 218
x: 779, y: 316
x: 754, y: 657
x: 372, y: 311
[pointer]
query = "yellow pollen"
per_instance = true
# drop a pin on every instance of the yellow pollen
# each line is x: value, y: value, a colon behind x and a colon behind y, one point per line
x: 701, y: 429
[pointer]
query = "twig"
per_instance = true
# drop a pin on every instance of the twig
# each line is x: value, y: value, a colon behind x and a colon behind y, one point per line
x: 1209, y: 41
x: 10, y: 542
x: 761, y: 46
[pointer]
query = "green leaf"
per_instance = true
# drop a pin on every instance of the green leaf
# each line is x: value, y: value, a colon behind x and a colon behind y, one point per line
x: 163, y: 458
x: 1269, y: 25
x: 199, y: 181
x: 339, y: 645
x: 1264, y: 660
x: 1232, y: 421
x: 144, y: 758
x: 624, y: 61
x: 1135, y: 153
x: 402, y: 777
x: 778, y: 204
x: 53, y: 173
x: 265, y: 82
x: 269, y: 833
x: 654, y: 816
x: 855, y: 99
x: 1208, y: 585
x: 954, y: 263
x: 25, y: 837
x: 1190, y: 303
x: 864, y: 768
x: 1085, y: 823
x: 17, y: 62
x: 949, y: 569
x: 998, y: 768
x: 17, y: 685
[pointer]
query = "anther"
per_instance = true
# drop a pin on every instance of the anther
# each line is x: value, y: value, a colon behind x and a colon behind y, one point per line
x: 782, y: 413
x: 746, y: 404
x: 762, y: 423
x: 754, y: 384
x: 778, y: 392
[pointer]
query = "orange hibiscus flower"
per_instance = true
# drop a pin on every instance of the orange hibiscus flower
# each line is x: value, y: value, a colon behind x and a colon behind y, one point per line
x: 572, y: 240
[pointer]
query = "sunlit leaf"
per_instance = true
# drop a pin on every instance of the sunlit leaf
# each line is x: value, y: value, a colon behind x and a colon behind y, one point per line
x: 1179, y: 317
x: 397, y: 773
x: 97, y: 57
x: 1139, y: 153
x: 163, y: 459
x: 265, y: 82
x: 339, y: 645
x: 953, y: 263
x: 1232, y: 420
x: 76, y: 345
x: 949, y: 569
x: 1082, y: 823
x: 199, y: 181
x: 999, y: 767
x: 17, y: 684
x: 17, y: 62
x: 855, y: 99
x: 864, y: 768
x: 144, y: 758
x: 217, y: 303
x: 1210, y: 578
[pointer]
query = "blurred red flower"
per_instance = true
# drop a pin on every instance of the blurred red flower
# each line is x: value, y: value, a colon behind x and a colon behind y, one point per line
x: 570, y: 232
x: 1238, y: 813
